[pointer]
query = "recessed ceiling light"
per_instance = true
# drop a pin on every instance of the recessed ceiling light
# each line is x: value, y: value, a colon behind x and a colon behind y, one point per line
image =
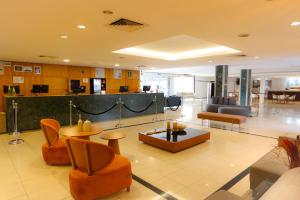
x: 81, y: 26
x: 66, y: 60
x: 152, y: 68
x: 243, y: 35
x: 256, y: 57
x: 295, y: 23
x: 107, y: 12
x: 210, y: 61
x: 117, y: 65
x: 64, y: 36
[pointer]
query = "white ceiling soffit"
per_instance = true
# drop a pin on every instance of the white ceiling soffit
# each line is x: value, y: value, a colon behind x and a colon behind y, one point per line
x: 36, y: 29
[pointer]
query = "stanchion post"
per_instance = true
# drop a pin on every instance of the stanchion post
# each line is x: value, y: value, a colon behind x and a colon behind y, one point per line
x: 70, y: 107
x: 155, y: 101
x: 16, y: 133
x: 120, y: 103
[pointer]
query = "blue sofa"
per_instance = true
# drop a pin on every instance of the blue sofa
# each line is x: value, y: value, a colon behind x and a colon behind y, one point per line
x: 227, y: 105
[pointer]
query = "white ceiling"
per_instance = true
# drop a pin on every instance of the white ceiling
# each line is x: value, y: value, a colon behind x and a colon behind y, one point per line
x: 30, y: 28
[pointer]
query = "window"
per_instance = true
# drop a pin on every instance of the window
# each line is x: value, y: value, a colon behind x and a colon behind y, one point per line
x: 184, y: 84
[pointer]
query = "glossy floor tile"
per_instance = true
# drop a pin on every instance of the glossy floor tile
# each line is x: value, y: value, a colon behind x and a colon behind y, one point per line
x: 194, y: 173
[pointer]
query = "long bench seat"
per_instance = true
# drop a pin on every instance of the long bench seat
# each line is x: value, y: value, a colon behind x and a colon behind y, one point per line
x: 233, y: 119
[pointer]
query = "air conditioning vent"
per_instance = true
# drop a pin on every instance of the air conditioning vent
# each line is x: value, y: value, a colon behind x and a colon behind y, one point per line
x: 126, y: 25
x: 239, y: 55
x: 49, y: 57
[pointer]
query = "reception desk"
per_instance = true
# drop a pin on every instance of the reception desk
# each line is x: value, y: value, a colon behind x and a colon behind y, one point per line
x: 32, y: 109
x: 284, y: 92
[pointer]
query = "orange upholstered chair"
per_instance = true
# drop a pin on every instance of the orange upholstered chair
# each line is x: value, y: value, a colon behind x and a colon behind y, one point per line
x: 97, y: 171
x: 54, y: 151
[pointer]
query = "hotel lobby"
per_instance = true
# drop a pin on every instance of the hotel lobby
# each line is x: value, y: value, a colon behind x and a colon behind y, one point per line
x: 175, y: 100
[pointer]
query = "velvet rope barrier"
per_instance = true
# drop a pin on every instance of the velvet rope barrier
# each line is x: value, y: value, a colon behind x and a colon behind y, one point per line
x: 91, y: 113
x: 138, y: 111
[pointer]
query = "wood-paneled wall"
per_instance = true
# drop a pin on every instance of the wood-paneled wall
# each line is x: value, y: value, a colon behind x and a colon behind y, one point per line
x: 58, y: 76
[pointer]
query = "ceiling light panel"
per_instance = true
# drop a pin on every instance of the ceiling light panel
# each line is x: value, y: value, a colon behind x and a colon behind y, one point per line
x: 187, y: 47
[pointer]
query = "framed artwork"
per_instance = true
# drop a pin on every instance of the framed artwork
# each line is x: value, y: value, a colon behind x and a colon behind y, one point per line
x: 37, y: 69
x: 100, y: 73
x: 18, y: 79
x: 129, y: 74
x: 18, y: 68
x: 117, y: 73
x: 85, y: 80
x: 5, y: 63
x: 1, y: 69
x: 27, y: 69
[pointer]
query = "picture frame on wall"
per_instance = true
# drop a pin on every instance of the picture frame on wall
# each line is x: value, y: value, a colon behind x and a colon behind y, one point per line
x: 129, y: 74
x: 27, y: 69
x: 117, y: 74
x: 18, y: 79
x: 37, y: 69
x: 99, y: 73
x: 1, y: 69
x: 18, y: 68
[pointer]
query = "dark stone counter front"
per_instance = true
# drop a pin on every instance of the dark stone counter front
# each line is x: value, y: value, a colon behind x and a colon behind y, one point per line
x: 32, y: 109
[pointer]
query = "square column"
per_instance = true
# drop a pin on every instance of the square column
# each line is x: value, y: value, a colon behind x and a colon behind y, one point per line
x: 221, y: 80
x: 245, y: 87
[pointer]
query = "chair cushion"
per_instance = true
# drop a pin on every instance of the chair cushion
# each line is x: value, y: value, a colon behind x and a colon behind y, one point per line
x: 215, y: 100
x: 287, y: 187
x: 106, y: 181
x: 232, y: 101
x: 270, y: 167
x: 56, y: 154
x: 225, y: 101
x: 220, y: 100
x: 118, y: 163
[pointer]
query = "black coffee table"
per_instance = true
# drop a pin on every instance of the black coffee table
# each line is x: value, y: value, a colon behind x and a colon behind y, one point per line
x: 176, y: 142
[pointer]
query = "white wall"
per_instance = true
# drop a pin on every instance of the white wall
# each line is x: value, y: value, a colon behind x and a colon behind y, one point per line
x: 279, y: 83
x: 231, y: 85
x: 201, y: 86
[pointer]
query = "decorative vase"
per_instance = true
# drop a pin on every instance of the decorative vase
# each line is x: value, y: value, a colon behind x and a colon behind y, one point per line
x: 86, y: 126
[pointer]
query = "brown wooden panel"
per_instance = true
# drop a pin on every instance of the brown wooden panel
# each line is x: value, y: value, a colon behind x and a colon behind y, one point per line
x: 58, y: 76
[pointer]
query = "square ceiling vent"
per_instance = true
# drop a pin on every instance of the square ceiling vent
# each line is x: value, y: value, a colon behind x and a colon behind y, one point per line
x: 126, y: 25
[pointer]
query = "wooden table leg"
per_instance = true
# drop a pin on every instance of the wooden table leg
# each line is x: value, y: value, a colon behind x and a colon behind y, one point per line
x: 114, y: 144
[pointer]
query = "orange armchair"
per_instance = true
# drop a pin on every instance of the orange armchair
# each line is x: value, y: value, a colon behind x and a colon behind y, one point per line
x: 54, y: 151
x: 97, y: 171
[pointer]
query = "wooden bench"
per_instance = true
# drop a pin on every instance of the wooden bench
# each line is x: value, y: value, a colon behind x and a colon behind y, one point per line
x: 233, y: 119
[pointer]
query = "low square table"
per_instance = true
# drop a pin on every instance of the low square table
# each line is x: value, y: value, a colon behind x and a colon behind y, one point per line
x: 176, y: 142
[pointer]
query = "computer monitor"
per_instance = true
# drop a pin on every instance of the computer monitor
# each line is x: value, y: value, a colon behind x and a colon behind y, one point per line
x: 35, y: 89
x: 75, y: 84
x: 80, y: 89
x: 123, y: 89
x: 146, y: 88
x: 44, y: 88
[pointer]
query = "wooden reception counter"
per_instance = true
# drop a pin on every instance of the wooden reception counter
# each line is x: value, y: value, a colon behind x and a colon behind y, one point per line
x: 31, y: 109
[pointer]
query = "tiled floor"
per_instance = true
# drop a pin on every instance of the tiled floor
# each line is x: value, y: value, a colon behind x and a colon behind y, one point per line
x: 190, y: 174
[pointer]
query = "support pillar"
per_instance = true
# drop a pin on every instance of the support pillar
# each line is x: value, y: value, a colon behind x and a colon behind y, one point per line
x: 221, y: 80
x: 245, y: 87
x: 262, y: 90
